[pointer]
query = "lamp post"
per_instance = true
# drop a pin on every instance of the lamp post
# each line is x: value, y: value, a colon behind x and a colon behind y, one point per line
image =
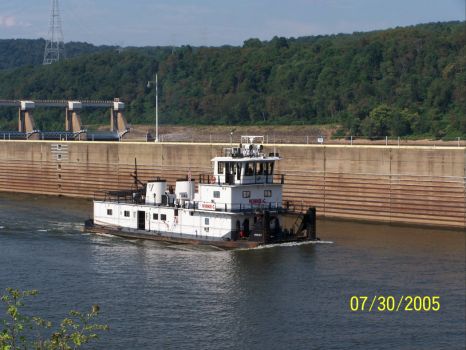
x: 156, y: 106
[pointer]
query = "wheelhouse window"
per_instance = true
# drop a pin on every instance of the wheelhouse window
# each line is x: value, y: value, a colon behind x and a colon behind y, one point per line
x: 163, y: 217
x: 246, y: 194
x: 155, y: 216
x: 109, y: 212
x: 249, y: 169
x: 267, y: 193
x: 216, y: 194
x: 221, y: 167
x: 126, y: 213
x: 261, y: 168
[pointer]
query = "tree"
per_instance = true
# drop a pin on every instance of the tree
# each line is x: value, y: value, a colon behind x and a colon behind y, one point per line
x: 21, y: 331
x: 252, y: 43
x: 376, y: 124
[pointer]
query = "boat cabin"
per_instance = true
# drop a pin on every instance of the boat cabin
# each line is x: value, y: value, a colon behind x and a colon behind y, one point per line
x: 243, y: 179
x: 246, y: 164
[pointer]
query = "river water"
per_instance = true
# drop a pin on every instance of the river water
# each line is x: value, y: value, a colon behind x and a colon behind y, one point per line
x: 158, y: 296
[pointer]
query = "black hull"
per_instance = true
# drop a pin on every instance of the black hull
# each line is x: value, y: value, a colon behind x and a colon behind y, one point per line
x: 90, y: 227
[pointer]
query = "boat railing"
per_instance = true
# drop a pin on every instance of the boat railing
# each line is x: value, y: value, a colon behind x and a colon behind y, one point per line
x: 121, y: 196
x: 137, y: 197
x: 229, y: 179
x: 285, y: 207
x: 294, y: 207
x: 236, y: 207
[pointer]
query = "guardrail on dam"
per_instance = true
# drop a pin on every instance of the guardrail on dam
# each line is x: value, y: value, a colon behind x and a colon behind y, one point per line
x: 415, y: 185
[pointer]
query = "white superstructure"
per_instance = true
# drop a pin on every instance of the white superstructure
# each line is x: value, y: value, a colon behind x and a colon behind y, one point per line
x: 241, y: 197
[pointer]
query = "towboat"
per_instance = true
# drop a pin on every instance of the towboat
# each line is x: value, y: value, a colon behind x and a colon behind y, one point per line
x: 239, y: 205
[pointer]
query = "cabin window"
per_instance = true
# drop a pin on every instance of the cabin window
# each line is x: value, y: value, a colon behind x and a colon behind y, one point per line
x: 155, y: 216
x: 259, y: 167
x: 260, y: 170
x: 221, y: 167
x: 163, y: 217
x: 216, y: 194
x: 109, y: 212
x: 246, y: 194
x: 229, y: 168
x: 126, y: 213
x: 249, y: 169
x: 267, y: 193
x: 206, y: 221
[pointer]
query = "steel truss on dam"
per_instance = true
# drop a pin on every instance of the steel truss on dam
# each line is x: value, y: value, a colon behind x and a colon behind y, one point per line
x: 413, y: 185
x: 73, y: 126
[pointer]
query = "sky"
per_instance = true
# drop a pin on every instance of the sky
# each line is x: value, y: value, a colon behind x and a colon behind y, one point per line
x: 215, y: 22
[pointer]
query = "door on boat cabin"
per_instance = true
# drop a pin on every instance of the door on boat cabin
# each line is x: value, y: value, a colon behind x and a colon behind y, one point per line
x: 141, y: 220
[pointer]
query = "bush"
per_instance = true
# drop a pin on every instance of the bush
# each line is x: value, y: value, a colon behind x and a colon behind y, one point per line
x: 20, y: 331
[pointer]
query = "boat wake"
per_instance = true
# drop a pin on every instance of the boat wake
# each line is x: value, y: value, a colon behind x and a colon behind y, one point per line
x: 289, y: 244
x: 101, y: 234
x: 65, y: 226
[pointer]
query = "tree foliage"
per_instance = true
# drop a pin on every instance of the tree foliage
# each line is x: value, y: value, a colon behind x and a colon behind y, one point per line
x: 397, y: 82
x: 20, y: 331
x: 23, y: 52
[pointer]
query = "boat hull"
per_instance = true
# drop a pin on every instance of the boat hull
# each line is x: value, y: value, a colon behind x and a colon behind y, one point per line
x: 90, y: 227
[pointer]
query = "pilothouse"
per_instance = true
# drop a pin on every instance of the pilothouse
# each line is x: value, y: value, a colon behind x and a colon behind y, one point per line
x: 238, y: 205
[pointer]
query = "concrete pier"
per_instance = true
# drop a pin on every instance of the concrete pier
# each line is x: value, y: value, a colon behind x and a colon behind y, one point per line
x: 413, y: 185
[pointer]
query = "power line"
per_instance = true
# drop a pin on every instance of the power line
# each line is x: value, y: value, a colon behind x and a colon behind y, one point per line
x: 55, y: 45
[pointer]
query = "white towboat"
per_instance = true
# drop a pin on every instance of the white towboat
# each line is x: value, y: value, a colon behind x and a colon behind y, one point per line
x: 238, y: 206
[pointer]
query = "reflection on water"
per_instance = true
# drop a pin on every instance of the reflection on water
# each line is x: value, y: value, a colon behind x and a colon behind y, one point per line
x: 158, y: 295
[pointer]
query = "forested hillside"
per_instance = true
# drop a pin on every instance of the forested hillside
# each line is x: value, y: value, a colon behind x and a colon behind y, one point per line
x: 395, y: 82
x: 24, y: 52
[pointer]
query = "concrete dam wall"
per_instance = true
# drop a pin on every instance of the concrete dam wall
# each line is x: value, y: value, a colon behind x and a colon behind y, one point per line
x: 414, y: 185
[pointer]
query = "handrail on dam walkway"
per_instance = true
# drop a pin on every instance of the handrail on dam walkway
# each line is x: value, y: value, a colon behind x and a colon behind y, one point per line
x: 59, y: 103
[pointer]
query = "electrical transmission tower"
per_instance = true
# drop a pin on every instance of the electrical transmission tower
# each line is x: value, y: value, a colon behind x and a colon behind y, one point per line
x: 54, y: 46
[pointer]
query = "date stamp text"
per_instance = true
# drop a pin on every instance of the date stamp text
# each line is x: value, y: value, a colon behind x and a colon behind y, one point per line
x: 390, y: 303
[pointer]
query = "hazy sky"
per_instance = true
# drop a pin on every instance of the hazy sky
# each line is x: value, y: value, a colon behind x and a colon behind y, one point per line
x: 215, y: 22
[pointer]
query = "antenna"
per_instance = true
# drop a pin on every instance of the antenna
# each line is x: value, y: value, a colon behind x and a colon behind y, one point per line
x: 54, y: 46
x: 156, y: 108
x: 134, y: 175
